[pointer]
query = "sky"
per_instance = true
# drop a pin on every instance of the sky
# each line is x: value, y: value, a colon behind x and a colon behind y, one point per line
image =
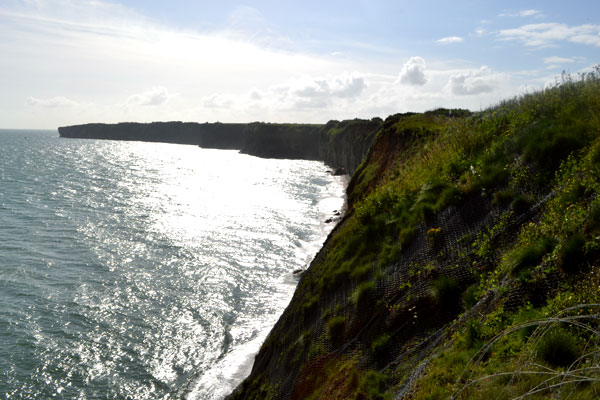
x: 66, y: 62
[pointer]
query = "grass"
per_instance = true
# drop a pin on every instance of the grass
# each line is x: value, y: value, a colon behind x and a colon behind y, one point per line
x: 572, y: 256
x: 539, y: 149
x: 363, y: 295
x: 548, y: 141
x: 379, y: 347
x: 470, y: 297
x: 558, y: 348
x: 372, y: 386
x: 521, y: 259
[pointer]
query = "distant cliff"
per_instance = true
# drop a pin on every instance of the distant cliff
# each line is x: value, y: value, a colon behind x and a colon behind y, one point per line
x: 345, y: 144
x: 217, y: 135
x: 339, y: 144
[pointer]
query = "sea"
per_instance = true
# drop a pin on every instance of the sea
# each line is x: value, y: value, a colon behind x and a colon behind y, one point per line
x: 133, y: 270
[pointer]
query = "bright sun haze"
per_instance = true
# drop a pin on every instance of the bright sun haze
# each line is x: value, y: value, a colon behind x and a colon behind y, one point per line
x: 70, y: 62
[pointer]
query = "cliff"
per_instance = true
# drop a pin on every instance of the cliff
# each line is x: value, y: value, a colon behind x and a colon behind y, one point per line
x: 467, y: 265
x: 339, y: 144
x: 344, y: 144
x: 218, y: 135
x: 292, y: 141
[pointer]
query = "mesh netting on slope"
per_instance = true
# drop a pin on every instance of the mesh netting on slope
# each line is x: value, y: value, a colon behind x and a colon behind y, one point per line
x: 415, y: 322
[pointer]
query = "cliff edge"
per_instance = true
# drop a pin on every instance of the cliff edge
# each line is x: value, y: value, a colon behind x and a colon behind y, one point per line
x: 467, y: 265
x: 339, y: 144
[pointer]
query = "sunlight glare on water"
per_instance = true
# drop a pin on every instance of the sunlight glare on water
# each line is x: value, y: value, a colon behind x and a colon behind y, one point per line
x: 146, y: 270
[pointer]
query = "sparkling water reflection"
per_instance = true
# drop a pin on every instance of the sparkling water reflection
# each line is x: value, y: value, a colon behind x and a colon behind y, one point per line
x: 146, y: 270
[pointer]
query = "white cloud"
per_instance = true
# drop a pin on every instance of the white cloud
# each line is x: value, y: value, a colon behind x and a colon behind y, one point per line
x: 320, y: 92
x: 528, y: 13
x: 522, y: 13
x: 413, y: 72
x: 218, y: 101
x: 472, y: 82
x: 450, y: 39
x: 558, y: 60
x: 53, y: 102
x: 156, y: 96
x: 548, y: 34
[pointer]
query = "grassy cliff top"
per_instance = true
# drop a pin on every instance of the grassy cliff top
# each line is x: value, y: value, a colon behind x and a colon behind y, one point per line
x: 467, y: 265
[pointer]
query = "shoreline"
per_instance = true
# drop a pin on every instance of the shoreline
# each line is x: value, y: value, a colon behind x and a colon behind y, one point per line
x: 236, y: 371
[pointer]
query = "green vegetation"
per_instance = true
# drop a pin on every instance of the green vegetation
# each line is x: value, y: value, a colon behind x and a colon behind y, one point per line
x: 446, y: 292
x: 380, y: 346
x: 558, y: 348
x: 522, y: 258
x: 335, y: 326
x: 481, y: 234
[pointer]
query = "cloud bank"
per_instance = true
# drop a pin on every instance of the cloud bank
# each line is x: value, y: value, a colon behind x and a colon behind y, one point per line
x: 156, y: 96
x: 550, y: 34
x: 472, y: 82
x: 53, y: 102
x: 413, y: 72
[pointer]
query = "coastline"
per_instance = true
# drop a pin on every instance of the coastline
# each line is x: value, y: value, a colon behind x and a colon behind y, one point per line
x: 230, y: 372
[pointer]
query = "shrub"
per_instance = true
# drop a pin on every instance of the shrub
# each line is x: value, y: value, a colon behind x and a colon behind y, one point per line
x: 335, y: 327
x: 520, y: 203
x: 571, y: 256
x: 433, y: 197
x: 470, y: 297
x: 493, y: 175
x: 503, y: 198
x: 406, y: 236
x: 372, y: 386
x: 548, y: 142
x: 362, y: 296
x: 558, y: 348
x: 523, y: 258
x: 380, y: 345
x: 446, y: 292
x: 473, y: 334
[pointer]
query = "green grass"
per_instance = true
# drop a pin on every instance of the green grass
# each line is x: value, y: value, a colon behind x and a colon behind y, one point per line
x: 379, y: 346
x: 521, y: 259
x: 539, y: 149
x: 558, y: 348
x: 363, y: 295
x: 572, y: 254
x: 335, y: 327
x: 547, y: 141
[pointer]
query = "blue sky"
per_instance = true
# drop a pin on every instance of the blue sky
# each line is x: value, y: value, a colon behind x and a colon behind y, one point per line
x: 67, y: 62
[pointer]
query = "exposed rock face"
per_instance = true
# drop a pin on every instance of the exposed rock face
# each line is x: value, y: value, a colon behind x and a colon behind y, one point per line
x: 344, y: 144
x: 219, y: 136
x: 341, y: 145
x: 292, y: 141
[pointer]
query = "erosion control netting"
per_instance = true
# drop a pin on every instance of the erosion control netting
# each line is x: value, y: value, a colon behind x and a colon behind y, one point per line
x: 417, y: 315
x: 404, y: 303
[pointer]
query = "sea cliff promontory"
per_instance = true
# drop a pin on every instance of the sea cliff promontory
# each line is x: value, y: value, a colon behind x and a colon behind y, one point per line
x: 339, y: 144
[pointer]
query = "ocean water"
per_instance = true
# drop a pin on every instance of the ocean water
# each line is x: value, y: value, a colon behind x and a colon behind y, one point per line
x: 134, y: 270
